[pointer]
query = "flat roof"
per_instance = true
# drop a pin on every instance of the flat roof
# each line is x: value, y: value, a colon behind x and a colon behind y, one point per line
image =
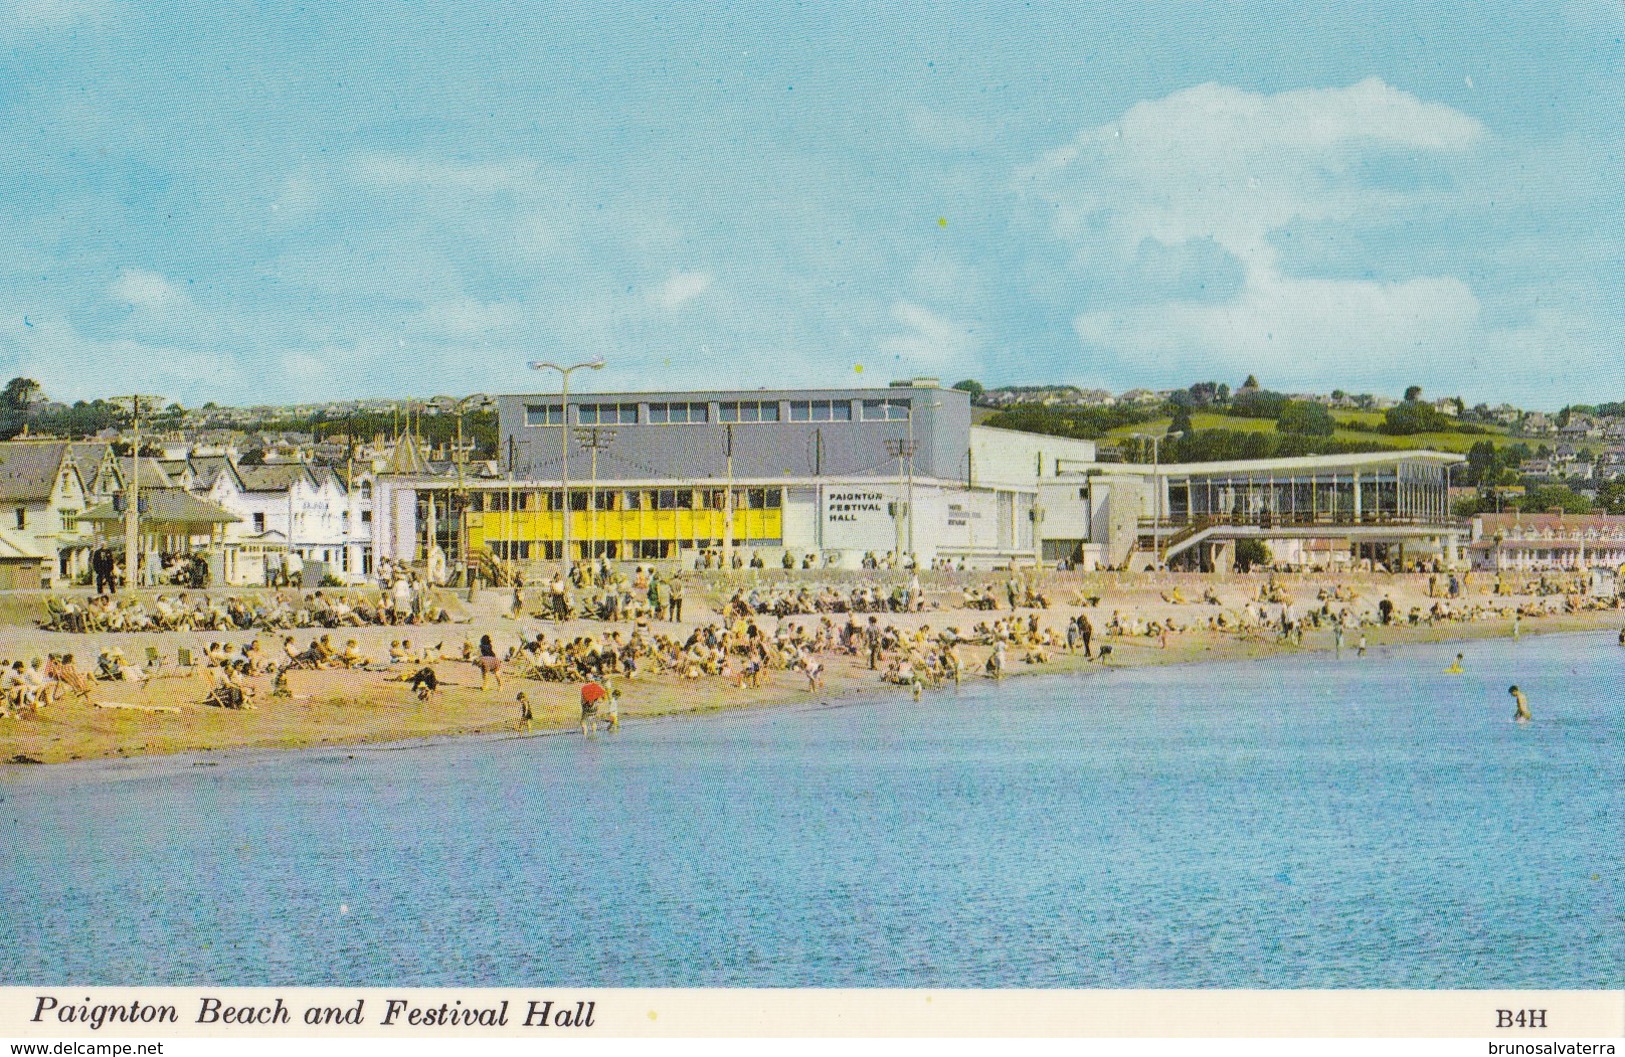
x: 756, y: 394
x: 1287, y: 466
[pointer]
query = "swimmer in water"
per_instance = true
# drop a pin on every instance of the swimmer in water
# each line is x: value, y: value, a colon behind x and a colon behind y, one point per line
x: 1522, y: 715
x: 1454, y: 669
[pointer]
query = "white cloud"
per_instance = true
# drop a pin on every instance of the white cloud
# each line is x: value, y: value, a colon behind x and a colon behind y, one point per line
x: 1219, y: 167
x: 1298, y: 332
x: 45, y: 15
x: 681, y: 288
x: 1216, y: 162
x: 142, y: 289
x: 391, y: 170
x: 71, y: 365
x: 930, y: 343
x: 466, y: 317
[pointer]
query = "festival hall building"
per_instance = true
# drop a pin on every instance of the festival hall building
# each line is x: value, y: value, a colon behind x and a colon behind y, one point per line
x: 830, y: 475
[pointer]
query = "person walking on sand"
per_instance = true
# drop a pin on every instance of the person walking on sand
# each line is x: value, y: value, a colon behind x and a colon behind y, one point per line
x: 871, y: 640
x: 489, y: 664
x: 1517, y: 622
x: 1360, y: 649
x: 525, y: 714
x: 1522, y: 714
x: 1337, y: 639
x: 1086, y: 631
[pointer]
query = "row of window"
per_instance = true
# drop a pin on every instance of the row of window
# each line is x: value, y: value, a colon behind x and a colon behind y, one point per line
x: 697, y: 412
x: 629, y: 550
x: 632, y: 499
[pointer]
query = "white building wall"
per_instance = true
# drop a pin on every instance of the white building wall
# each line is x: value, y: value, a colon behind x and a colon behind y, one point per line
x: 1002, y: 456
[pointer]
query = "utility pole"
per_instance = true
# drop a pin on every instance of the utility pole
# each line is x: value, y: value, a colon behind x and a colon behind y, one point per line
x: 461, y: 459
x: 728, y: 499
x: 593, y: 438
x: 911, y: 450
x: 132, y: 495
x: 902, y: 451
x: 508, y: 520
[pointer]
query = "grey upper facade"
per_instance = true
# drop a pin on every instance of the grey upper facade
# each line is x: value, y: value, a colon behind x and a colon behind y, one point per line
x: 776, y: 434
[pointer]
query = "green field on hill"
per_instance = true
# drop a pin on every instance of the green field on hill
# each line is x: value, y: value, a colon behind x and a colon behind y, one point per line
x: 1457, y: 442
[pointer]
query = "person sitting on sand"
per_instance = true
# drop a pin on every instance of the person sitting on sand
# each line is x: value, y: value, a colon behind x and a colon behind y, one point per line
x: 46, y: 686
x: 351, y: 656
x: 114, y: 666
x: 14, y: 687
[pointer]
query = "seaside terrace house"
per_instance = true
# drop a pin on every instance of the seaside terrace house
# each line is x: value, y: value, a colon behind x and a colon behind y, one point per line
x: 1518, y: 542
x: 292, y: 511
x: 43, y: 541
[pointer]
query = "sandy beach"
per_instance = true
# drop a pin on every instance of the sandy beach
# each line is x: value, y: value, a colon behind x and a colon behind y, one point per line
x: 166, y: 714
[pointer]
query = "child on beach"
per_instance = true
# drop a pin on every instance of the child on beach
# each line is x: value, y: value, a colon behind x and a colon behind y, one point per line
x: 1522, y: 715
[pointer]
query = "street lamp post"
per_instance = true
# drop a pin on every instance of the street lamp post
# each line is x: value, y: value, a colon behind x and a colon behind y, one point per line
x: 564, y: 446
x: 1156, y: 485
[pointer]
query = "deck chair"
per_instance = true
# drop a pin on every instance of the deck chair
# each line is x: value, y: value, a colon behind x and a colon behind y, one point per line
x: 186, y: 661
x: 78, y: 687
x: 524, y: 665
x: 156, y: 668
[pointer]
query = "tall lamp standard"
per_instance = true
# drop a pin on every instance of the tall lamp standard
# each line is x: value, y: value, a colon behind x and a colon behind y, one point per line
x: 1156, y: 485
x: 564, y: 446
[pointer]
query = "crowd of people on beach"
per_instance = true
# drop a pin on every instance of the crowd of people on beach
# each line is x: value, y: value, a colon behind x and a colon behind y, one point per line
x: 415, y: 603
x: 744, y: 636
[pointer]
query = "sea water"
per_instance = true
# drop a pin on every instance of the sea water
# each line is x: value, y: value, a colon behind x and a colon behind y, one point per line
x: 1301, y: 822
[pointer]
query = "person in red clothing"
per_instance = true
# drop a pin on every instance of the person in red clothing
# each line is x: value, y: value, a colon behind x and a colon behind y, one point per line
x: 591, y: 694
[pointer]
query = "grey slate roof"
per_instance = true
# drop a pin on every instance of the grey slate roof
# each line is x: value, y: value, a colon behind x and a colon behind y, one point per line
x: 167, y: 506
x: 29, y: 468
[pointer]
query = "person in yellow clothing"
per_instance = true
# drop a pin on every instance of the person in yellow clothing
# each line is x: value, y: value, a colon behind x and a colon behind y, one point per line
x: 1455, y: 668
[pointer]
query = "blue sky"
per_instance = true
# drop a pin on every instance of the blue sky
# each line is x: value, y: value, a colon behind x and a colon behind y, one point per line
x: 264, y: 201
